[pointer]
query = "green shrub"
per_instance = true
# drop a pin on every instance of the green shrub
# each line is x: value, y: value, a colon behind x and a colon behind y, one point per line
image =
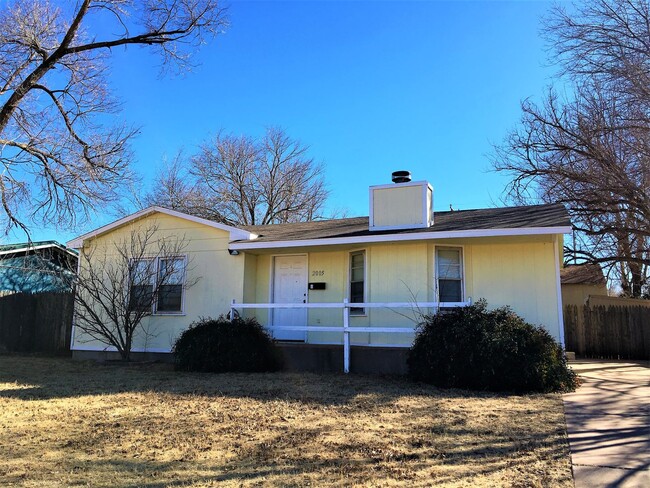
x: 222, y: 345
x: 480, y: 349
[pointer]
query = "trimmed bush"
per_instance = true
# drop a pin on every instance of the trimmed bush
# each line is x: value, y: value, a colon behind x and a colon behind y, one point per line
x: 221, y: 346
x: 480, y: 349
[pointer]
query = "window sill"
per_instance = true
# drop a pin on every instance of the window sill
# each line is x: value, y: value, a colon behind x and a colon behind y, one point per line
x: 168, y: 314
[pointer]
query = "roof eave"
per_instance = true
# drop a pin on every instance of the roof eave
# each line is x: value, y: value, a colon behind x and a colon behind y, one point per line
x: 235, y: 232
x: 413, y: 236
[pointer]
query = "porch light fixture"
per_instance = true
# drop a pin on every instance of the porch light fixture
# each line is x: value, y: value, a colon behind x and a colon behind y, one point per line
x: 233, y: 252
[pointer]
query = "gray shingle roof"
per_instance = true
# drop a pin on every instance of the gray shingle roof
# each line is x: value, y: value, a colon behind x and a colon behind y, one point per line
x: 552, y: 215
x: 582, y: 274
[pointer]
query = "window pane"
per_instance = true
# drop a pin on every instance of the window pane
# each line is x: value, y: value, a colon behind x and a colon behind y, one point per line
x: 449, y: 264
x: 141, y: 297
x: 450, y: 290
x: 170, y: 298
x: 143, y: 272
x: 171, y: 271
x: 357, y: 274
x: 356, y: 292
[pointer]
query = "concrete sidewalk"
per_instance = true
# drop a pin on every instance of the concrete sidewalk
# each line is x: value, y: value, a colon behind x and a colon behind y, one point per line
x: 608, y: 422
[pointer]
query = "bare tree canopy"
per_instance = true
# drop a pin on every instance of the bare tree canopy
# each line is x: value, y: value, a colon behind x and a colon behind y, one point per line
x: 607, y: 40
x: 591, y: 149
x: 243, y: 181
x: 59, y: 154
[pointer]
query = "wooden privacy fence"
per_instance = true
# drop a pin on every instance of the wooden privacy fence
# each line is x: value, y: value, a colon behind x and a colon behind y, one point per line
x: 39, y: 322
x: 607, y: 330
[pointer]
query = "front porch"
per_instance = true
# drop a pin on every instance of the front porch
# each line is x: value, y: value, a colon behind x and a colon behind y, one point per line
x: 320, y: 351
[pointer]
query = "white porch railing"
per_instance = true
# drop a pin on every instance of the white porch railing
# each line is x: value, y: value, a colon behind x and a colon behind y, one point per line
x: 345, y: 306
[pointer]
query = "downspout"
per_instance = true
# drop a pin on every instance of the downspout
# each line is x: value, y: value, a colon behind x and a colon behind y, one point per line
x: 558, y: 288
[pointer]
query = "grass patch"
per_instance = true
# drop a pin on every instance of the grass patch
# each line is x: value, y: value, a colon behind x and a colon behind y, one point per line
x: 66, y: 423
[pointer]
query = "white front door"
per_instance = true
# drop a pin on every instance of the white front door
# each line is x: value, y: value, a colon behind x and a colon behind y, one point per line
x: 289, y: 286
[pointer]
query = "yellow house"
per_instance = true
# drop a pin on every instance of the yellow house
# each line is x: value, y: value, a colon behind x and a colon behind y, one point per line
x: 361, y: 283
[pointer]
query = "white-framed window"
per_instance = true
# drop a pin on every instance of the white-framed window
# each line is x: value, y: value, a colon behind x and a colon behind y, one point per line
x: 449, y: 274
x: 163, y: 277
x: 357, y: 281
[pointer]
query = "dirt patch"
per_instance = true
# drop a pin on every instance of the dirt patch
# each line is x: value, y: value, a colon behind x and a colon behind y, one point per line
x: 65, y: 423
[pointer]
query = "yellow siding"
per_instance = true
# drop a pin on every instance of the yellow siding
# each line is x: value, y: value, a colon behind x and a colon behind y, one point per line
x: 397, y: 273
x: 250, y: 274
x: 334, y: 265
x: 522, y: 275
x: 220, y: 278
x: 576, y: 294
x: 519, y: 272
x: 397, y: 206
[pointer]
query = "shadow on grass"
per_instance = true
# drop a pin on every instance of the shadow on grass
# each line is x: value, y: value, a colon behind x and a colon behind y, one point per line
x: 48, y: 378
x: 267, y: 462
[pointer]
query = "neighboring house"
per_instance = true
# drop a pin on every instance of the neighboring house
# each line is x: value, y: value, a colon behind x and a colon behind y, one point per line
x: 581, y: 280
x: 36, y: 267
x: 401, y: 260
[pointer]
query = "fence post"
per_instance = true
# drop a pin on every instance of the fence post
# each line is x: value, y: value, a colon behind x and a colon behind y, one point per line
x: 346, y: 336
x: 232, y: 310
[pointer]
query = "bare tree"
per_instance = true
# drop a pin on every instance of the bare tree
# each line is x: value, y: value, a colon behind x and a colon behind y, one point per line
x: 241, y: 181
x: 120, y: 284
x: 591, y: 149
x: 175, y: 188
x: 606, y: 40
x: 59, y: 155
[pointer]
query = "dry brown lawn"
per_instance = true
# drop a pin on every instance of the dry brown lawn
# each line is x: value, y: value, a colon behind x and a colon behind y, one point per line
x: 66, y: 423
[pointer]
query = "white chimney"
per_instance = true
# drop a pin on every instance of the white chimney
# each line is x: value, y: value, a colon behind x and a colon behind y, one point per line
x: 404, y: 204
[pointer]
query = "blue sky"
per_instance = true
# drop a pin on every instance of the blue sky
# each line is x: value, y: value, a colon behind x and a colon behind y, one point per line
x: 371, y: 87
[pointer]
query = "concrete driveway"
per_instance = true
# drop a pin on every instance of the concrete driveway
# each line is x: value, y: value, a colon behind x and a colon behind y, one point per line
x: 608, y: 421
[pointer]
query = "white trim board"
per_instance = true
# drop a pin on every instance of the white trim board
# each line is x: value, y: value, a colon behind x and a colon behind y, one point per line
x: 235, y: 233
x: 168, y: 351
x: 414, y: 236
x: 558, y: 290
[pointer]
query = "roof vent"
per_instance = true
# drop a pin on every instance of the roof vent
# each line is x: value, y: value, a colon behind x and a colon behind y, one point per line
x: 401, y: 176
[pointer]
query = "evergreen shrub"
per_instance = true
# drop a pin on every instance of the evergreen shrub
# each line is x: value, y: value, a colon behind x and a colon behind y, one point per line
x: 480, y: 349
x: 221, y: 345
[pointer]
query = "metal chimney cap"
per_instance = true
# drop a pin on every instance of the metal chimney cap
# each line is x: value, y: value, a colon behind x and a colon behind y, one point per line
x: 401, y: 176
